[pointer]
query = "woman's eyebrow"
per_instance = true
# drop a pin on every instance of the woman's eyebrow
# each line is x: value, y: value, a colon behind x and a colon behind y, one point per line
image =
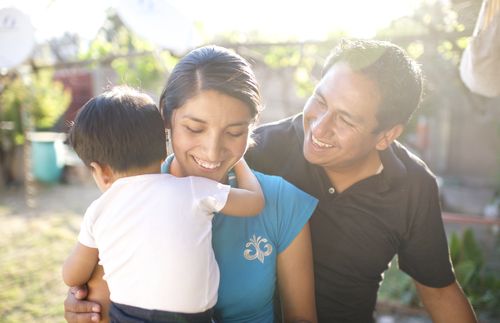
x: 194, y: 119
x: 239, y: 124
x: 235, y: 124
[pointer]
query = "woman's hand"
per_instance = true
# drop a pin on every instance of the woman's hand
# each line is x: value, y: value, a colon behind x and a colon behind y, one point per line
x: 296, y: 279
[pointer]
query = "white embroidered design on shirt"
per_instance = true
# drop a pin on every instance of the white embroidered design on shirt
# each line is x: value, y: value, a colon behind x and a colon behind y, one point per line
x: 258, y: 253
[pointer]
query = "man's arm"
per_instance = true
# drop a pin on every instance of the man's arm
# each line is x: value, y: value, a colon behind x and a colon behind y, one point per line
x: 446, y: 304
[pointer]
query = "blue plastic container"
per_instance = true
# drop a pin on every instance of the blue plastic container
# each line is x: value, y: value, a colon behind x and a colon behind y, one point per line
x: 47, y: 155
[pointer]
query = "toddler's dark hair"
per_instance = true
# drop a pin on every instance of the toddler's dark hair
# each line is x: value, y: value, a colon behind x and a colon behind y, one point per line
x: 121, y: 128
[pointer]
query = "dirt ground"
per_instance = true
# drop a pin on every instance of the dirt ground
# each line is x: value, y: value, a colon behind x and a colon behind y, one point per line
x: 74, y: 194
x: 34, y: 241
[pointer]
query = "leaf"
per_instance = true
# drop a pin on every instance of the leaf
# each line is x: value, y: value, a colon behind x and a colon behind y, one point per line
x: 455, y: 248
x: 471, y: 250
x: 465, y: 271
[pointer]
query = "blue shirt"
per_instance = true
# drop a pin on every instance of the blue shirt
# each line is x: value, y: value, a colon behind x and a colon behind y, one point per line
x: 246, y: 249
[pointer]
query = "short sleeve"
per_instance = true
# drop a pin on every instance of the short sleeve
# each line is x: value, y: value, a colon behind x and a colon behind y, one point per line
x: 210, y: 195
x: 85, y: 237
x: 292, y: 209
x: 424, y: 254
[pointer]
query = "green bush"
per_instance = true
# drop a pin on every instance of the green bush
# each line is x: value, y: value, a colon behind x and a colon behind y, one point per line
x: 42, y: 99
x: 49, y: 100
x: 480, y: 283
x: 11, y: 102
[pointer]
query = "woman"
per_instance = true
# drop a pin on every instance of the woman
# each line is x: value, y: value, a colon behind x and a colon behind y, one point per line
x: 209, y: 104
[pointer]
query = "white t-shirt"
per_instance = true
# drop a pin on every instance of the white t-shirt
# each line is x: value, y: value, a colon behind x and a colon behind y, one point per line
x: 154, y: 236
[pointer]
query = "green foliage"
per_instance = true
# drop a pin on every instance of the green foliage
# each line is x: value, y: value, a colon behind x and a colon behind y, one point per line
x: 43, y: 99
x: 305, y: 60
x: 146, y: 72
x: 300, y: 59
x: 98, y: 49
x: 11, y: 101
x: 47, y: 100
x: 281, y: 56
x: 415, y: 49
x: 497, y: 188
x: 304, y: 82
x: 132, y: 58
x: 398, y: 287
x: 480, y: 284
x: 113, y: 39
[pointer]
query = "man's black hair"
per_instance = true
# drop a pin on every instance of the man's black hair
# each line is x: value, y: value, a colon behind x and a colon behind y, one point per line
x: 398, y: 77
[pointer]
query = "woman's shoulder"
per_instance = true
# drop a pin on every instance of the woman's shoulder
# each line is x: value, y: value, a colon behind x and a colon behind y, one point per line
x: 267, y: 177
x: 268, y: 182
x: 281, y: 193
x: 271, y: 181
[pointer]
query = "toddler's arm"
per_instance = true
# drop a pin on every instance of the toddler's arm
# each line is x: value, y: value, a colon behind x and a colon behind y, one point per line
x: 78, y: 268
x: 248, y: 199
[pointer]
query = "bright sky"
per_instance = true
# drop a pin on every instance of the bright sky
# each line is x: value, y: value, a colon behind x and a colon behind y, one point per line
x: 281, y: 19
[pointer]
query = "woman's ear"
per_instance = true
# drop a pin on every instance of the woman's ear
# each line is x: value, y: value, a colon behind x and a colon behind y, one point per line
x: 103, y: 175
x: 388, y: 136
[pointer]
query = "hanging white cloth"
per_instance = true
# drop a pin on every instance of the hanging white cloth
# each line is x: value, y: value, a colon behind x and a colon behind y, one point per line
x: 480, y: 63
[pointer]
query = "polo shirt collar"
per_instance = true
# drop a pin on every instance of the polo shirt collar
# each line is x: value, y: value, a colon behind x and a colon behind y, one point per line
x: 298, y: 126
x: 394, y: 171
x: 393, y: 174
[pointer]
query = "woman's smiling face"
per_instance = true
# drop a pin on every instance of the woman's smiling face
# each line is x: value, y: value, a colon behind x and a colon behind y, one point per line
x: 209, y: 135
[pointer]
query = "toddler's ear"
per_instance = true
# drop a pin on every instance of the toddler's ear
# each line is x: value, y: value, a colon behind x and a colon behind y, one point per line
x: 103, y: 175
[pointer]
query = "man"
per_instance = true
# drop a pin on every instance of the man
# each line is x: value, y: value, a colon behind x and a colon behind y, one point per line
x: 376, y: 199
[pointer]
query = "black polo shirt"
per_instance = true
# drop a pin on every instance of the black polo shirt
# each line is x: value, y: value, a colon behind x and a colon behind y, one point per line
x: 356, y: 233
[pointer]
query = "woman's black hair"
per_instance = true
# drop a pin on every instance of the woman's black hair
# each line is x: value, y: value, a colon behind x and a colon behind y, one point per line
x: 210, y: 68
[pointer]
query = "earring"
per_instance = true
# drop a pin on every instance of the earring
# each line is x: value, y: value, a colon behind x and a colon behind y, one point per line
x: 167, y: 140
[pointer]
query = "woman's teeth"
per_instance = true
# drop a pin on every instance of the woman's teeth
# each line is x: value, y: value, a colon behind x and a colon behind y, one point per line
x: 205, y: 164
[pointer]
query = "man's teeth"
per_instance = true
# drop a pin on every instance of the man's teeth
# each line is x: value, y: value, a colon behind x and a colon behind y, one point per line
x: 319, y: 143
x: 206, y: 164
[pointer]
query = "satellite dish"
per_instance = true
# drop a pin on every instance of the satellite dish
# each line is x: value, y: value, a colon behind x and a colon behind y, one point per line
x: 17, y: 37
x: 158, y: 22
